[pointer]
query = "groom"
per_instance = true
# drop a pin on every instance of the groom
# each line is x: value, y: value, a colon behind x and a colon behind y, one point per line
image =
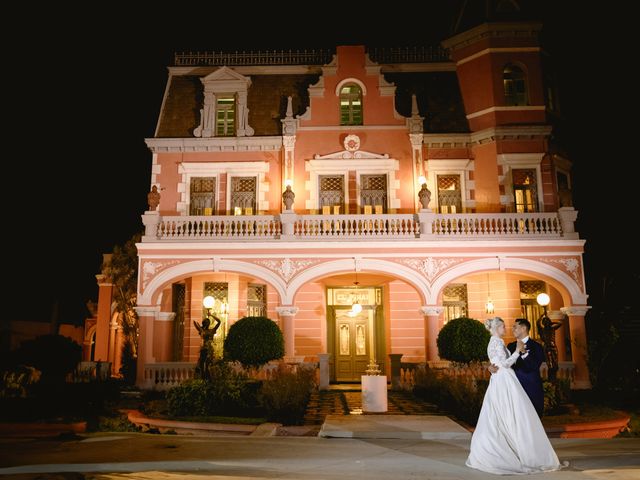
x: 527, y: 367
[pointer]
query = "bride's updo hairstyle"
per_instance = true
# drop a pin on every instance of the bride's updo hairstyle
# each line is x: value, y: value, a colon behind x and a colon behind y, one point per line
x: 492, y: 323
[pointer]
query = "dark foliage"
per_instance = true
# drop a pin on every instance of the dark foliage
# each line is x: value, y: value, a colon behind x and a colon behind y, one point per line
x: 54, y: 355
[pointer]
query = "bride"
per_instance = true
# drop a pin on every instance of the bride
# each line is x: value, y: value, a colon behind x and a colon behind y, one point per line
x: 509, y: 437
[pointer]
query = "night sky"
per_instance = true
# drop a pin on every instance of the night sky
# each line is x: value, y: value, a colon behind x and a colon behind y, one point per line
x: 82, y: 103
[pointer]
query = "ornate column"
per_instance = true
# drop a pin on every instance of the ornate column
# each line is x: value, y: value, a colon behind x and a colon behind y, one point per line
x: 146, y: 319
x: 578, y: 335
x: 286, y: 314
x: 431, y: 329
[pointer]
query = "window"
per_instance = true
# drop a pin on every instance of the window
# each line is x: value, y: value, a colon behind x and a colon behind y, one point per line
x: 524, y: 190
x: 226, y: 116
x: 529, y: 291
x: 243, y: 195
x: 515, y: 86
x: 351, y: 105
x: 449, y: 194
x: 373, y: 193
x: 202, y: 196
x: 454, y: 300
x: 331, y: 194
x: 256, y: 300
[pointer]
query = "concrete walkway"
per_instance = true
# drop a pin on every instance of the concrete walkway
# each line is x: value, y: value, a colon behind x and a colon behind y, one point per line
x: 127, y: 456
x: 425, y: 427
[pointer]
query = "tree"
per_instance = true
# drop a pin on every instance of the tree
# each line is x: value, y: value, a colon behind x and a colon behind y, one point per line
x: 122, y: 269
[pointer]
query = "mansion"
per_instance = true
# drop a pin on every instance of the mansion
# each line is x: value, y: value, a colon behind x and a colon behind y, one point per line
x: 360, y: 198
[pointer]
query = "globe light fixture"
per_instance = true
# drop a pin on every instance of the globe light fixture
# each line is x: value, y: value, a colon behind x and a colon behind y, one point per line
x: 543, y: 299
x: 208, y: 302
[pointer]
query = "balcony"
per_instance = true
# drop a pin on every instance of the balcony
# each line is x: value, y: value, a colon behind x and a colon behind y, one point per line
x: 425, y: 225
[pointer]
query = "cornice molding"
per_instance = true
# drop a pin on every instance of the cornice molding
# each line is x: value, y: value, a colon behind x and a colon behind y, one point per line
x: 462, y: 140
x: 510, y: 133
x: 481, y: 53
x: 287, y: 310
x: 520, y: 30
x: 214, y: 144
x: 431, y: 310
x: 514, y: 108
x: 165, y: 316
x: 580, y: 310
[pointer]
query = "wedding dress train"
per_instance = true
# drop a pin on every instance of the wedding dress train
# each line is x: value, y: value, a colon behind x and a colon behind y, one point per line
x: 509, y: 437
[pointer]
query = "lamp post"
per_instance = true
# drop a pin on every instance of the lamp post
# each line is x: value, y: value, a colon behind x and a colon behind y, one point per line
x: 207, y: 333
x: 546, y: 331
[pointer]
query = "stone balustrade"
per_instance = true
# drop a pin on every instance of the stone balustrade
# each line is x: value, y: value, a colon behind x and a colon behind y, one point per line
x: 425, y: 225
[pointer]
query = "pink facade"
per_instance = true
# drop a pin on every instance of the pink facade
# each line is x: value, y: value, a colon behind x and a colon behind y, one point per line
x: 355, y: 148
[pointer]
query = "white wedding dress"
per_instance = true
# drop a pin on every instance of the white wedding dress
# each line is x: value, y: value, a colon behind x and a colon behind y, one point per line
x: 509, y: 438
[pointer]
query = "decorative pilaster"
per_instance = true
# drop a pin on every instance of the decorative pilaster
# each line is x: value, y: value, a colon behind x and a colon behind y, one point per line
x: 578, y: 334
x: 431, y: 329
x: 286, y: 314
x: 415, y: 126
x: 243, y: 130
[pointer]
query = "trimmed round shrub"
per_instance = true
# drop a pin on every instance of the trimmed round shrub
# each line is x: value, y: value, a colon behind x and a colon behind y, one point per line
x: 254, y: 341
x: 463, y: 340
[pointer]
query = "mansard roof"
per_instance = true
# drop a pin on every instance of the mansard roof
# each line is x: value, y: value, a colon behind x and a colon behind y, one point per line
x: 438, y: 95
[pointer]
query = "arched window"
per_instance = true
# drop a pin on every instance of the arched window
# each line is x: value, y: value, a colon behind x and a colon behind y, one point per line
x: 351, y: 105
x: 515, y: 86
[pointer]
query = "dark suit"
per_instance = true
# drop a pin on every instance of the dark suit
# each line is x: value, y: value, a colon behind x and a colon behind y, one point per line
x: 528, y: 372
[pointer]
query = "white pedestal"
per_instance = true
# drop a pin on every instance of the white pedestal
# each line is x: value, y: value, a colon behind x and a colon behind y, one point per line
x: 374, y: 393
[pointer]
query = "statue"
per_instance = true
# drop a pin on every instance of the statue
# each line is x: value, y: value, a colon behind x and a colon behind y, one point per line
x: 207, y: 333
x: 546, y: 330
x: 287, y: 198
x: 425, y: 196
x: 153, y: 198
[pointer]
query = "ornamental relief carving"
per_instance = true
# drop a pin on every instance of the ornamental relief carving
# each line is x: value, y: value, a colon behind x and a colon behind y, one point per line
x: 150, y: 268
x: 572, y: 266
x: 430, y: 267
x: 286, y: 267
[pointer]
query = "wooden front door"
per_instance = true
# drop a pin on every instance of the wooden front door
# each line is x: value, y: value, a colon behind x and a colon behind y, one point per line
x: 353, y: 340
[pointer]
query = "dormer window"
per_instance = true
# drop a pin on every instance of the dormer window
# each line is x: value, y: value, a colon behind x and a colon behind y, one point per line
x: 515, y: 86
x: 224, y: 111
x: 351, y: 104
x: 226, y: 116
